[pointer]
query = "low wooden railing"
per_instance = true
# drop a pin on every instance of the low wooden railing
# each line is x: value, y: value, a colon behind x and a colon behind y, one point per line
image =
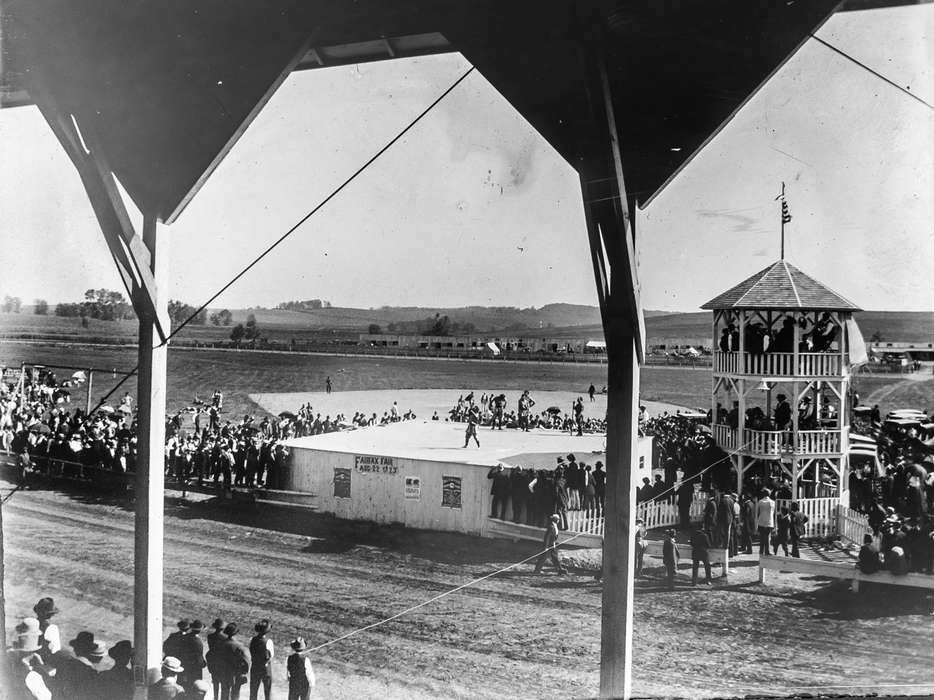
x: 725, y: 436
x: 821, y: 512
x: 765, y: 442
x: 818, y: 442
x: 588, y: 522
x: 778, y: 364
x: 655, y: 514
x: 852, y: 526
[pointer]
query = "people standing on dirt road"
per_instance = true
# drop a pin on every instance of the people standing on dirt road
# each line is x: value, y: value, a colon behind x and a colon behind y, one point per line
x: 215, y: 641
x: 670, y: 557
x: 298, y: 669
x: 261, y: 653
x: 190, y: 650
x: 700, y: 554
x: 327, y: 385
x: 765, y: 520
x: 798, y: 521
x: 591, y: 390
x: 233, y: 664
x: 551, y: 547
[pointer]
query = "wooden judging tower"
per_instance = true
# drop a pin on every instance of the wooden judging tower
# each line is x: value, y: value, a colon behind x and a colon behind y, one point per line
x: 781, y: 379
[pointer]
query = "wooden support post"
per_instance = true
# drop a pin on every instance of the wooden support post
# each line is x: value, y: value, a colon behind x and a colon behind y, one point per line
x: 622, y: 417
x: 150, y: 472
x: 87, y: 405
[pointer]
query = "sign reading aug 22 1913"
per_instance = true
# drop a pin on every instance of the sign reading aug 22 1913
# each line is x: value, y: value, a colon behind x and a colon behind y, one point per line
x: 372, y: 464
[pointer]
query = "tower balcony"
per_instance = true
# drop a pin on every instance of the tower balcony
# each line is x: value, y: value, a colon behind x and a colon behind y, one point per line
x: 779, y: 364
x: 777, y: 443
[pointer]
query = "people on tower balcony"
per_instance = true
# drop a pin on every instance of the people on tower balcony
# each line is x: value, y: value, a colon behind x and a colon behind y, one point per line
x: 807, y: 418
x: 784, y: 340
x: 782, y: 413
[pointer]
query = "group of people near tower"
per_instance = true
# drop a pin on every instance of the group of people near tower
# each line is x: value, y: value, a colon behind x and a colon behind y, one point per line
x: 814, y: 336
x: 41, y: 667
x: 531, y: 496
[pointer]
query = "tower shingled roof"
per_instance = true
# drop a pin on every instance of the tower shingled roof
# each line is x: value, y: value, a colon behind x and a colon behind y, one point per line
x: 780, y: 286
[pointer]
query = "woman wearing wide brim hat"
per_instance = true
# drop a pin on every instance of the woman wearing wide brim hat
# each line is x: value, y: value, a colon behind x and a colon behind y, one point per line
x: 299, y: 672
x: 25, y: 659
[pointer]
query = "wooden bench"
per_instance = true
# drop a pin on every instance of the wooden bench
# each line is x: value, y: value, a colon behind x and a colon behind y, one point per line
x: 841, y: 570
x: 716, y: 556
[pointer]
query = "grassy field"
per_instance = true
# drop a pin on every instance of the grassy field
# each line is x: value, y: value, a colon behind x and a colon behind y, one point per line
x: 197, y: 373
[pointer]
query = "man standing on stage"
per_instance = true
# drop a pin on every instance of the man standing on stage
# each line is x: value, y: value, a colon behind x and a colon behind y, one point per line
x: 473, y: 420
x: 525, y: 409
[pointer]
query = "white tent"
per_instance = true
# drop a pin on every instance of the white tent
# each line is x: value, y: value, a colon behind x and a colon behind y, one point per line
x: 492, y: 346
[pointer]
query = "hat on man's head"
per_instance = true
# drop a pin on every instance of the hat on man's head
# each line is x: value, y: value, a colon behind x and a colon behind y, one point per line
x: 121, y: 650
x: 298, y: 644
x: 231, y: 629
x: 82, y: 641
x: 172, y: 665
x: 555, y: 517
x: 571, y: 458
x: 560, y: 460
x: 45, y: 607
x: 27, y: 636
x: 184, y: 624
x: 781, y: 397
x: 196, y: 626
x: 262, y: 627
x: 217, y: 624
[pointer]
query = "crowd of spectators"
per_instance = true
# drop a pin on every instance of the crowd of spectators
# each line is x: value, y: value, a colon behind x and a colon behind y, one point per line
x: 41, y: 667
x: 532, y: 496
x: 496, y: 413
x: 47, y: 436
x: 814, y: 336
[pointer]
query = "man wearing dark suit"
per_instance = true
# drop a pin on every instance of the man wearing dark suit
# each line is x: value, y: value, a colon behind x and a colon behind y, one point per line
x: 700, y: 544
x: 518, y: 492
x: 216, y: 639
x: 500, y: 491
x: 234, y: 664
x: 261, y: 652
x: 191, y: 655
x: 724, y: 520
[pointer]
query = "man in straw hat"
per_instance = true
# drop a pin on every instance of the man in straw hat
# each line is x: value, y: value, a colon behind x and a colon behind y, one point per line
x: 167, y: 687
x: 26, y: 667
x: 298, y: 669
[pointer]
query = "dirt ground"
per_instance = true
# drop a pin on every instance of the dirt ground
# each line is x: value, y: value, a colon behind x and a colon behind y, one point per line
x: 514, y: 635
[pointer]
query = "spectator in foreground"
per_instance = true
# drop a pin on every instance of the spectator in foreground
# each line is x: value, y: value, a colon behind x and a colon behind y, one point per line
x: 261, y: 653
x: 117, y: 682
x: 300, y: 674
x: 234, y: 664
x: 167, y: 687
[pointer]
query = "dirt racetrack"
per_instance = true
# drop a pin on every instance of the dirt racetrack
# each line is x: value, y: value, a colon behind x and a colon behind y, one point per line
x: 515, y: 635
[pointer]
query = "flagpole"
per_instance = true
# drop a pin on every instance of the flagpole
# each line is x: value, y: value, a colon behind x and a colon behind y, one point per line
x: 783, y: 220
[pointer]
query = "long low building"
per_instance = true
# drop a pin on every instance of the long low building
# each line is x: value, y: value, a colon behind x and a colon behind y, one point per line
x: 416, y: 473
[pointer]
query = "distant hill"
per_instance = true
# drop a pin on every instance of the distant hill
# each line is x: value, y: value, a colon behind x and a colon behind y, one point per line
x: 562, y: 320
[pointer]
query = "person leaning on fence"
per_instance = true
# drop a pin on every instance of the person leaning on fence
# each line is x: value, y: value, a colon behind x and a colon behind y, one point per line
x: 551, y: 547
x: 670, y: 557
x: 798, y: 522
x: 499, y: 491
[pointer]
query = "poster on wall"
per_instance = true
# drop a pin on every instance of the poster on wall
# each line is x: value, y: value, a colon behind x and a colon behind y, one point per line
x: 451, y: 492
x: 413, y: 488
x: 341, y: 483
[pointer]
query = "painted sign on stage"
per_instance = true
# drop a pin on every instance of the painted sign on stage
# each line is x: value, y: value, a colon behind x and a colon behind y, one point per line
x: 413, y: 487
x: 451, y: 492
x: 372, y: 464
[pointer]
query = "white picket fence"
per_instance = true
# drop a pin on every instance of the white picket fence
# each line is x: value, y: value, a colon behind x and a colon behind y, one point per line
x: 655, y: 514
x: 826, y: 517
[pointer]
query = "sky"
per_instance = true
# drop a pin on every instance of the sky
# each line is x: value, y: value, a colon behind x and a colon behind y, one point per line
x: 474, y: 207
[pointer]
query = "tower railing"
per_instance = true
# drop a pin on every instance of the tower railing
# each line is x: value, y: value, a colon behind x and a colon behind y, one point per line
x: 779, y: 364
x: 774, y: 443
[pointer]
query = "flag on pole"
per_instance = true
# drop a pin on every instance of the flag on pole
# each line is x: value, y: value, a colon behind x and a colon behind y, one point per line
x: 786, y: 215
